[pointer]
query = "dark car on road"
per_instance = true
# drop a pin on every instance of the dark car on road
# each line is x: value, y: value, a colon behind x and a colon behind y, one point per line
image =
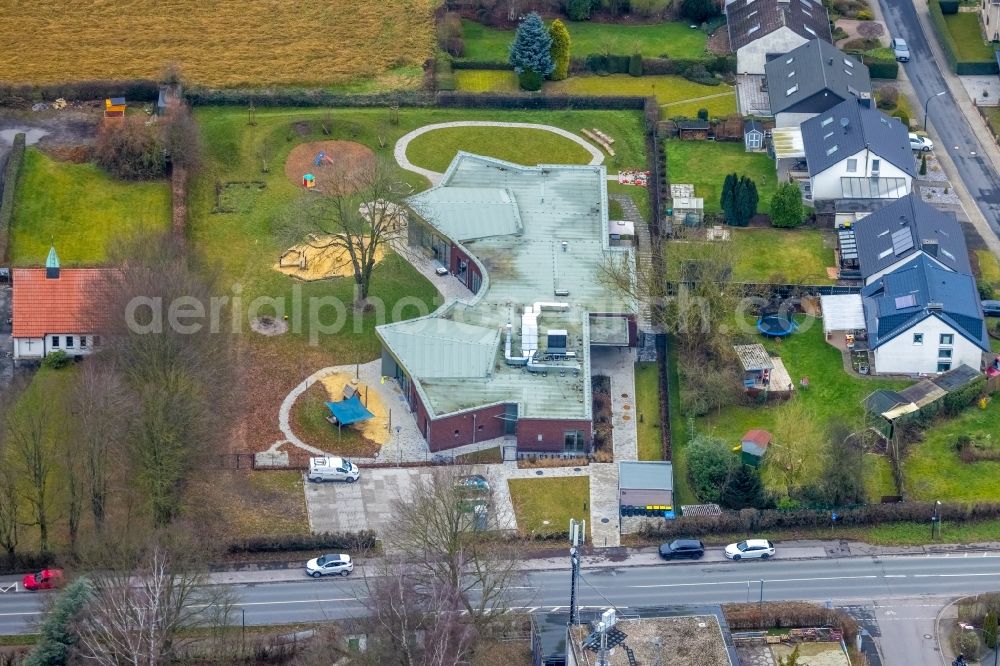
x: 681, y: 548
x: 991, y: 308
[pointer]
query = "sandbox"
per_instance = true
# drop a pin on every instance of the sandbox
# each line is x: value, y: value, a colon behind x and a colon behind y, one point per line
x: 376, y: 429
x: 313, y: 261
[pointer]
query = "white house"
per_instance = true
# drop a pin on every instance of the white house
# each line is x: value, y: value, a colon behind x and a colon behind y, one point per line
x: 923, y: 319
x: 763, y: 29
x: 856, y: 152
x: 55, y: 309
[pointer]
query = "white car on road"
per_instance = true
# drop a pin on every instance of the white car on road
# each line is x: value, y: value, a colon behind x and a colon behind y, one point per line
x: 921, y: 143
x: 330, y: 565
x: 744, y: 550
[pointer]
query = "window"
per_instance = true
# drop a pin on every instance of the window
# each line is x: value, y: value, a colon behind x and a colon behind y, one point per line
x: 852, y: 166
x: 55, y: 340
x: 573, y: 441
x: 83, y: 341
x: 69, y: 341
x: 944, y: 366
x: 944, y: 353
x: 96, y: 340
x: 918, y: 338
x: 876, y: 164
x: 947, y: 339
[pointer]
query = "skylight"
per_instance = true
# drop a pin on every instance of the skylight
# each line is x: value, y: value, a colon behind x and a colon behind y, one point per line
x: 947, y: 254
x: 793, y: 89
x: 791, y: 73
x: 848, y: 63
x: 907, y: 301
x: 753, y: 29
x: 831, y: 150
x: 884, y: 253
x: 826, y: 121
x: 827, y: 135
x: 789, y: 61
x: 751, y: 13
x: 810, y: 31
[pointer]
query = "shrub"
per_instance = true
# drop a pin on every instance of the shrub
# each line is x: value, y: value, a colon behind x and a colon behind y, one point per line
x: 56, y: 360
x: 560, y: 50
x: 839, y: 33
x: 949, y: 6
x: 700, y: 74
x: 450, y: 34
x: 903, y: 117
x: 864, y: 15
x: 649, y: 8
x: 710, y: 463
x: 786, y: 206
x: 182, y: 139
x: 887, y: 97
x: 986, y: 290
x: 530, y: 80
x: 861, y: 44
x: 349, y: 541
x: 923, y: 170
x: 531, y: 49
x: 635, y: 64
x: 699, y: 11
x: 870, y: 29
x: 788, y: 614
x: 991, y: 627
x: 578, y: 10
x: 130, y: 149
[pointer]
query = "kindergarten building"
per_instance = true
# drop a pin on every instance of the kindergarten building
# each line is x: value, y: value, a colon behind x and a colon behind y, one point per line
x: 512, y: 359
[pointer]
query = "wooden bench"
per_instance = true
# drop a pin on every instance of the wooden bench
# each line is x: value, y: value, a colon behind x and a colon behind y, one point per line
x: 599, y: 141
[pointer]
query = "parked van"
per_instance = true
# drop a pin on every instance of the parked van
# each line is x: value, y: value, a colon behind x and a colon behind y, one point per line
x: 331, y: 468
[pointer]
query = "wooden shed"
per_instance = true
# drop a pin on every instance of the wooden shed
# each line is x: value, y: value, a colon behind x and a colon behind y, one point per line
x: 753, y: 446
x: 114, y: 107
x: 693, y: 130
x: 753, y: 135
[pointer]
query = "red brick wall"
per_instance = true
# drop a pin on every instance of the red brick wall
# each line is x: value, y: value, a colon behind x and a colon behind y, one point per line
x: 458, y: 255
x: 442, y: 435
x: 552, y: 432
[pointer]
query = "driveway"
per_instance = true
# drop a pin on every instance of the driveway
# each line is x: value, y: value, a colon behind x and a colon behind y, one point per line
x: 956, y: 136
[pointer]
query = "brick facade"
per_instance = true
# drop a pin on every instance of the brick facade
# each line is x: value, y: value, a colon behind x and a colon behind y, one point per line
x: 548, y: 435
x: 458, y: 255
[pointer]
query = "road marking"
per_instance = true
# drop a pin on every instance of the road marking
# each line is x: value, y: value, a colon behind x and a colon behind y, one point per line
x: 744, y: 582
x: 24, y: 613
x: 290, y: 601
x: 957, y: 575
x: 894, y: 576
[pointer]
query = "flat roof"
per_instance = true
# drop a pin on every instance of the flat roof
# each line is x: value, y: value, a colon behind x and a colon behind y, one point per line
x: 560, y: 246
x: 645, y: 475
x: 698, y: 638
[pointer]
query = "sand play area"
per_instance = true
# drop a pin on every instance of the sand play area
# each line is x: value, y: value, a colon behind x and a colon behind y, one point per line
x: 376, y: 429
x: 335, y: 167
x: 316, y: 260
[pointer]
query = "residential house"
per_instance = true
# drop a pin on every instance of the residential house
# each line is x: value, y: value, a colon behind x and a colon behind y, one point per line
x: 855, y: 152
x: 989, y: 12
x: 761, y: 29
x: 896, y: 234
x: 924, y: 318
x: 811, y: 79
x: 55, y: 309
x: 511, y: 358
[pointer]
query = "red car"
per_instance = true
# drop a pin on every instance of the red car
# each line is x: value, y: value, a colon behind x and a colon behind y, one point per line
x: 46, y: 579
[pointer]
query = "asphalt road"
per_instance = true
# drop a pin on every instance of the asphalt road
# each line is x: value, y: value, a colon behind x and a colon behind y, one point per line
x: 842, y: 581
x: 976, y: 171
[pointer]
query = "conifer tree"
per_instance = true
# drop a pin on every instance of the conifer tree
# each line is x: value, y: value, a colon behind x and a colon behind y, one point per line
x: 560, y: 50
x: 531, y: 52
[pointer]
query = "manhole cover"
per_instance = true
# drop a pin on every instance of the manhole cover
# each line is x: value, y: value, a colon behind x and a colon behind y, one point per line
x: 928, y: 636
x: 539, y: 472
x: 605, y: 520
x: 626, y: 406
x: 576, y: 469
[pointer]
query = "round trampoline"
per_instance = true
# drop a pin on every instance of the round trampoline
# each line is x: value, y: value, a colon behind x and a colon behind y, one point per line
x: 776, y: 325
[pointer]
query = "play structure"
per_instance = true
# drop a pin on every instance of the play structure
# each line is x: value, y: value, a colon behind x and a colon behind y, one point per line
x: 114, y: 107
x: 776, y: 324
x: 356, y: 405
x: 329, y: 167
x: 322, y: 158
x: 633, y: 177
x: 309, y: 181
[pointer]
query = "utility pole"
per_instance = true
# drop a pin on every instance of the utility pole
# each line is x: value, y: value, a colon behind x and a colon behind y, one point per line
x: 576, y: 532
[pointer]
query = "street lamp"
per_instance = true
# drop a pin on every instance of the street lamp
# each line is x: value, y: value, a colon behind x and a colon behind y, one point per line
x: 927, y: 102
x: 936, y: 519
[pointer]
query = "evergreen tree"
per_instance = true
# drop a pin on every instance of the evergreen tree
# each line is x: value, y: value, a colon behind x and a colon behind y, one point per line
x: 743, y: 489
x: 746, y: 200
x: 531, y: 50
x: 792, y: 659
x: 560, y: 50
x: 728, y: 198
x: 57, y: 635
x: 579, y: 10
x: 923, y: 165
x: 786, y: 206
x: 699, y: 11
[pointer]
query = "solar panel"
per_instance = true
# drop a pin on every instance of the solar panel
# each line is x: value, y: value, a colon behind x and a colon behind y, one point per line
x: 902, y: 240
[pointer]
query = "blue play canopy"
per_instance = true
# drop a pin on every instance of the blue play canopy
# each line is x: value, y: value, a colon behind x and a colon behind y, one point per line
x: 349, y: 411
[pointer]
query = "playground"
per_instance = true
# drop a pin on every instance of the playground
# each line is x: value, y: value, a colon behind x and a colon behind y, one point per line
x: 329, y: 167
x: 318, y: 260
x: 375, y: 429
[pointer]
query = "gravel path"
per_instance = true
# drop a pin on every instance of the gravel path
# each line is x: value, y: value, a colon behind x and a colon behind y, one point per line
x: 597, y: 157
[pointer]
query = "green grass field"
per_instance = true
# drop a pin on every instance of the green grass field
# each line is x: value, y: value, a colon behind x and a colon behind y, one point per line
x: 933, y: 469
x: 674, y: 39
x: 546, y: 505
x: 706, y: 163
x: 964, y: 28
x: 79, y: 208
x: 435, y: 150
x: 647, y: 411
x: 672, y: 92
x: 989, y: 267
x: 486, y: 80
x: 782, y: 256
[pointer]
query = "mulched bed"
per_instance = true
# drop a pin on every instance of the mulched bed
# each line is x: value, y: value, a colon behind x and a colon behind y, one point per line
x: 349, y: 162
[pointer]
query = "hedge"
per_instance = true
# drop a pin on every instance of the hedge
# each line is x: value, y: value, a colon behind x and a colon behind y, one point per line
x: 949, y: 6
x: 10, y: 175
x: 752, y: 520
x: 786, y: 615
x: 950, y: 48
x: 137, y: 90
x: 302, y: 97
x: 349, y: 541
x: 615, y: 64
x: 482, y: 64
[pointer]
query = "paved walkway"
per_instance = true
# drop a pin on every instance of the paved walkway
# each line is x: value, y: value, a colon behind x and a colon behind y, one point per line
x: 399, y: 152
x: 604, y: 528
x: 619, y: 365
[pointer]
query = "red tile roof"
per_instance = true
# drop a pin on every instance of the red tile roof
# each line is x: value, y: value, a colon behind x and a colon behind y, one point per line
x: 63, y: 305
x: 759, y: 437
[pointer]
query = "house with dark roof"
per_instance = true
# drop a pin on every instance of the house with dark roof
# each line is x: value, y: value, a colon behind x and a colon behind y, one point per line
x: 759, y: 29
x: 54, y: 309
x: 898, y: 233
x: 811, y: 79
x: 853, y: 151
x: 924, y: 318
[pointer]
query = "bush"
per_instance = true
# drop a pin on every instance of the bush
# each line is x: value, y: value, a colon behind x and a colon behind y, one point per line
x: 56, y: 360
x: 578, y: 10
x: 870, y: 29
x: 699, y: 11
x: 903, y: 117
x: 861, y: 44
x: 700, y: 74
x: 10, y: 176
x: 649, y: 8
x: 887, y: 97
x: 131, y: 150
x: 788, y: 614
x: 865, y: 15
x: 923, y: 171
x: 710, y: 463
x: 703, y: 114
x: 949, y: 6
x: 560, y: 50
x: 450, y: 35
x: 349, y: 541
x: 786, y: 207
x: 635, y: 65
x: 986, y: 290
x: 530, y: 80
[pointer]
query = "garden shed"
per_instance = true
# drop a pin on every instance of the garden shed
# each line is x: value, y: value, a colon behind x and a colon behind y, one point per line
x: 753, y: 446
x: 646, y: 488
x: 693, y: 130
x: 753, y: 135
x: 842, y: 312
x: 756, y: 362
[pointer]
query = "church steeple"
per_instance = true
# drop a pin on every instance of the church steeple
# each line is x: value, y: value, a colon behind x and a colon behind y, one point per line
x: 52, y: 265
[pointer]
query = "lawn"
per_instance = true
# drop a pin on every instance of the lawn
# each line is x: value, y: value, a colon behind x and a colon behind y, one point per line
x: 673, y: 39
x: 964, y: 28
x: 435, y: 150
x: 706, y: 163
x: 933, y: 470
x: 989, y: 267
x: 308, y: 421
x: 79, y: 208
x: 486, y: 80
x: 647, y: 407
x: 683, y: 494
x: 674, y: 93
x: 224, y: 43
x: 782, y: 256
x: 546, y: 505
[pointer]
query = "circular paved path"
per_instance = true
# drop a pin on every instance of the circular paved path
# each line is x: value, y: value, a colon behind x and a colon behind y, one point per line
x: 399, y: 152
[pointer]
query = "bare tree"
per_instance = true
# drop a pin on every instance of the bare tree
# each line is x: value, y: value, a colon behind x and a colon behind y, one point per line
x: 138, y: 610
x: 798, y: 451
x: 362, y: 220
x: 9, y: 496
x: 439, y: 539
